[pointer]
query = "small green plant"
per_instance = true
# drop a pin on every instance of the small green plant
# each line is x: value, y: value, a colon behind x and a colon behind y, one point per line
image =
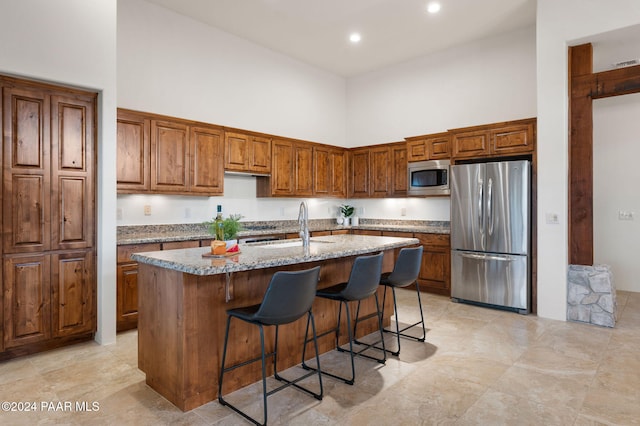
x: 231, y: 226
x: 346, y: 210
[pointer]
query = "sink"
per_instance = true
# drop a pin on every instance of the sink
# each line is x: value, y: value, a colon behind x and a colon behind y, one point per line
x: 289, y: 243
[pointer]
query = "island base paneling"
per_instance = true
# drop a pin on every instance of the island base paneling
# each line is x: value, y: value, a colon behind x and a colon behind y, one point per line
x: 182, y: 320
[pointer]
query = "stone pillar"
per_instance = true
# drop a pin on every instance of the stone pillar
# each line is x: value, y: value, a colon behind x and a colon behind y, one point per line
x: 591, y: 295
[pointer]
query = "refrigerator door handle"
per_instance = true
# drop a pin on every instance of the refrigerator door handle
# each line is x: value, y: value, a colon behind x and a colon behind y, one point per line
x: 487, y: 257
x: 490, y: 207
x: 481, y: 213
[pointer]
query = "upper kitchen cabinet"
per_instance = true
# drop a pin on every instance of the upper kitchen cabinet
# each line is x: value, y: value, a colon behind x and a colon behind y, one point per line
x: 399, y: 177
x: 206, y: 171
x: 165, y: 155
x: 378, y: 171
x: 291, y: 170
x: 169, y: 156
x: 330, y: 171
x: 429, y: 147
x: 499, y: 139
x: 246, y: 152
x: 133, y: 152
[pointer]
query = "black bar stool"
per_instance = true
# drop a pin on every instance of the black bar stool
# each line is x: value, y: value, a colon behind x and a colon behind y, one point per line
x: 289, y: 296
x: 363, y: 283
x: 405, y: 272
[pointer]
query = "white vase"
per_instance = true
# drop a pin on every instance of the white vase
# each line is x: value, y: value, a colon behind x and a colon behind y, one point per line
x: 347, y: 221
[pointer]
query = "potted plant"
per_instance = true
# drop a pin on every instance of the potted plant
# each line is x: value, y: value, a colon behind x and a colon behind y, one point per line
x: 231, y: 227
x: 346, y: 211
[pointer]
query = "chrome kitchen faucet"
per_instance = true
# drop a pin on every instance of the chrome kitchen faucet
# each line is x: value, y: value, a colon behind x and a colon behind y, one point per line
x: 303, y: 220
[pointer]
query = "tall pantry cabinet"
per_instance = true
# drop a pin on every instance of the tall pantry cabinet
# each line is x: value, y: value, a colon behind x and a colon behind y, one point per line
x: 47, y: 216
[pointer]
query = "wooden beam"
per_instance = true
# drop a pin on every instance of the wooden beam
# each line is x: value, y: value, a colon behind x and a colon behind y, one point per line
x: 580, y: 158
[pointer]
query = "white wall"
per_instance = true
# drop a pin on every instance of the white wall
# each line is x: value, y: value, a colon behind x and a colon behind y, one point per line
x: 486, y: 81
x: 616, y: 149
x: 73, y: 42
x: 559, y: 24
x: 170, y: 64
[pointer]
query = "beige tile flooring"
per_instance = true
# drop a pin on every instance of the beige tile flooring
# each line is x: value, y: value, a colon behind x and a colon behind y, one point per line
x: 479, y: 366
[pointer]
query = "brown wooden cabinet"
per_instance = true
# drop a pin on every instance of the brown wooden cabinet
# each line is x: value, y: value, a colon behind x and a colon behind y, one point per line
x: 399, y: 177
x: 166, y: 155
x: 133, y: 152
x: 429, y: 147
x: 435, y: 272
x: 498, y: 139
x: 329, y: 177
x: 48, y: 212
x: 378, y: 171
x: 127, y: 278
x: 304, y: 169
x: 246, y: 152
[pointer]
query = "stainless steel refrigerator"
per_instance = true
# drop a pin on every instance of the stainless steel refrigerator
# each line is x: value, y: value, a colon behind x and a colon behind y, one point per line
x: 490, y: 234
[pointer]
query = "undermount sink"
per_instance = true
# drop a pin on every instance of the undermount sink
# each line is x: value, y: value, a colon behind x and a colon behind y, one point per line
x: 289, y: 243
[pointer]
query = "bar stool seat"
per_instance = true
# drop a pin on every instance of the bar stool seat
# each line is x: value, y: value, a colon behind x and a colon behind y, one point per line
x: 289, y: 296
x: 363, y: 283
x: 405, y: 272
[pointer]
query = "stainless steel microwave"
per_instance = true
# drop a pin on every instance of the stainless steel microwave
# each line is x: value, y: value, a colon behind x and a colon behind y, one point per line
x: 429, y: 178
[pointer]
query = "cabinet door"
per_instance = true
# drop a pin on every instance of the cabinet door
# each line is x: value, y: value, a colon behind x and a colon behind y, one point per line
x: 470, y: 144
x: 27, y: 192
x: 127, y: 297
x: 132, y: 157
x: 399, y: 182
x: 169, y: 156
x: 435, y: 271
x: 73, y: 303
x: 417, y: 150
x: 439, y: 147
x: 260, y: 154
x: 27, y: 300
x: 321, y: 171
x: 72, y: 165
x: 303, y: 154
x: 338, y: 174
x: 381, y: 172
x: 283, y: 174
x: 359, y: 182
x: 236, y: 151
x: 207, y: 164
x: 512, y: 139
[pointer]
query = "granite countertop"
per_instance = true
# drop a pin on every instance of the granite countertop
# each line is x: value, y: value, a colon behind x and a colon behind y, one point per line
x: 270, y: 254
x: 183, y: 232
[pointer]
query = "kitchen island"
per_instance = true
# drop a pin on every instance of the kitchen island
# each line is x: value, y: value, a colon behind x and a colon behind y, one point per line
x: 183, y: 298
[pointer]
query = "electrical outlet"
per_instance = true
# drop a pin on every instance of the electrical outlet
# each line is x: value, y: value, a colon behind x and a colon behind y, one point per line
x: 187, y: 212
x: 360, y: 211
x: 403, y: 211
x: 552, y: 218
x: 119, y: 213
x: 147, y: 210
x: 281, y: 211
x: 625, y: 215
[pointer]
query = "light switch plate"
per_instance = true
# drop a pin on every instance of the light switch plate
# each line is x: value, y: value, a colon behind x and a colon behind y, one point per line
x: 552, y: 218
x: 625, y: 215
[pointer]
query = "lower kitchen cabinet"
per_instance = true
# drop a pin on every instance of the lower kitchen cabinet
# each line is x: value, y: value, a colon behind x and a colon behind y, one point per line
x: 47, y: 298
x: 435, y: 272
x: 127, y: 278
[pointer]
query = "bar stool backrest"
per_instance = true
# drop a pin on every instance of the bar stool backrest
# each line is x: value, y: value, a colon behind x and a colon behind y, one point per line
x: 407, y: 267
x: 364, y: 278
x: 289, y: 296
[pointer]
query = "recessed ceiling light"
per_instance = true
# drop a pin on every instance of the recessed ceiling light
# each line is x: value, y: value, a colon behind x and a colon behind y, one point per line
x: 354, y: 37
x: 433, y: 7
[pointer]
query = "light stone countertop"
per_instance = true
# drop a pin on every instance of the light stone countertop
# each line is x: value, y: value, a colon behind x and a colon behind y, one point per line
x: 166, y: 233
x: 271, y: 254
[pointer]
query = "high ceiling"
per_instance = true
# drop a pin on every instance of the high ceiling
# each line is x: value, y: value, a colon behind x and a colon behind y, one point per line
x: 393, y: 31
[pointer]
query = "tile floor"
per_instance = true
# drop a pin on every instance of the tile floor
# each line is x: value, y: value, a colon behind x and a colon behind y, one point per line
x: 479, y: 366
